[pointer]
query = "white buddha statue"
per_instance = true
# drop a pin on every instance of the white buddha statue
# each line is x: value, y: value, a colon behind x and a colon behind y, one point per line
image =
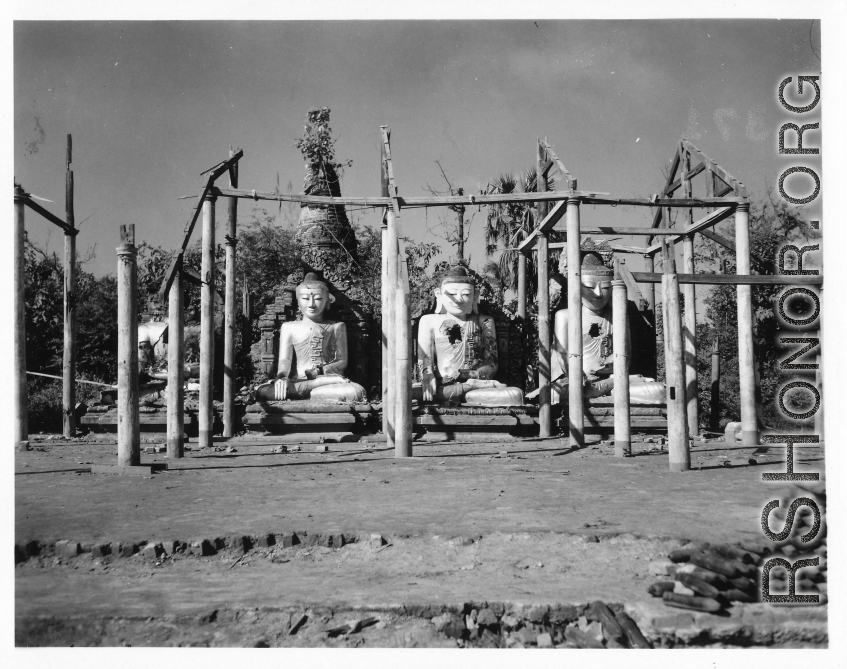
x: 457, y: 348
x: 312, y: 353
x: 597, y: 356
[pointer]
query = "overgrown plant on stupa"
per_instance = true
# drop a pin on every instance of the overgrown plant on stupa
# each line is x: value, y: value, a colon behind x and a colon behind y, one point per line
x: 329, y: 249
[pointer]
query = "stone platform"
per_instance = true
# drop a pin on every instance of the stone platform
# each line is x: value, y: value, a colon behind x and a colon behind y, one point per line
x: 366, y: 418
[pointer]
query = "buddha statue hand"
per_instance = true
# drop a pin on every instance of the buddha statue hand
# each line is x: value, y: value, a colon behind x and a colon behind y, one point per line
x: 280, y: 389
x: 428, y: 385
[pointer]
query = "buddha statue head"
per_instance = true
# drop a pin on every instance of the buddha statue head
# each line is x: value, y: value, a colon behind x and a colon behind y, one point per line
x: 313, y: 297
x: 596, y: 281
x: 457, y: 293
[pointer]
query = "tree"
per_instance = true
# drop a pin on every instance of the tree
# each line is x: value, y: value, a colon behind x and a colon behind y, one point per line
x: 772, y: 224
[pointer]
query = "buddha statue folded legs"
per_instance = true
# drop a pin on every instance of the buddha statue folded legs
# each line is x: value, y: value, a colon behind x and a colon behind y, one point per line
x: 312, y: 353
x: 457, y: 349
x: 597, y: 354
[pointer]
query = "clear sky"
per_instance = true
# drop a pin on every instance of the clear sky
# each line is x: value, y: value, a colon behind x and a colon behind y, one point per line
x: 152, y: 104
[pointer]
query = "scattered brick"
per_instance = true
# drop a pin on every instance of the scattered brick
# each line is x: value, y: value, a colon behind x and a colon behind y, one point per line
x: 67, y: 549
x: 265, y: 540
x: 538, y: 614
x: 202, y: 548
x: 544, y: 640
x: 101, y: 550
x: 152, y: 551
x: 126, y: 550
x: 287, y: 539
x: 486, y: 618
x: 375, y: 541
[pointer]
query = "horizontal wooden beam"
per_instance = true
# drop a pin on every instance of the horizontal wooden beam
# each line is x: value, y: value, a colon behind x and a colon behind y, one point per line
x: 734, y: 279
x: 736, y: 185
x: 696, y: 202
x: 405, y: 202
x: 37, y: 208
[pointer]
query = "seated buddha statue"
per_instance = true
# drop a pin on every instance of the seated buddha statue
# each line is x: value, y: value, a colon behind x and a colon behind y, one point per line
x: 312, y: 353
x: 597, y: 355
x: 457, y: 349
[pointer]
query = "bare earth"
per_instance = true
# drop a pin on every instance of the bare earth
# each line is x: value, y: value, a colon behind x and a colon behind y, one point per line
x: 462, y: 525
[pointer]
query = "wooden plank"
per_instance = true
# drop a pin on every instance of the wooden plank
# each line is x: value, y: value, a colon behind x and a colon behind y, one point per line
x: 223, y: 167
x: 38, y: 209
x: 316, y: 419
x: 545, y: 226
x: 696, y: 202
x: 569, y: 179
x: 710, y: 279
x: 736, y: 185
x: 684, y: 177
x: 632, y: 285
x: 70, y: 306
x: 699, y: 225
x: 429, y: 420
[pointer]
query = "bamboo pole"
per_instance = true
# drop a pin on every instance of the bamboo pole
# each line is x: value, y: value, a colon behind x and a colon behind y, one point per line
x: 129, y: 434
x: 576, y: 412
x: 620, y: 324
x: 545, y: 412
x: 70, y: 327
x: 205, y: 412
x: 746, y: 356
x: 678, y: 445
x: 176, y: 367
x: 522, y: 287
x: 21, y: 427
x: 403, y: 367
x: 231, y: 241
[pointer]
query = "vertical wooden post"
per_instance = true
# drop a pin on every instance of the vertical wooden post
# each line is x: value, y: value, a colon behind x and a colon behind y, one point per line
x: 576, y: 413
x: 522, y: 287
x: 690, y: 339
x: 403, y: 367
x: 678, y: 445
x: 746, y: 357
x: 715, y: 400
x: 387, y: 360
x: 21, y: 412
x: 390, y: 327
x: 545, y: 412
x: 205, y: 417
x: 620, y: 345
x: 69, y: 353
x: 229, y: 307
x: 129, y: 434
x: 690, y: 296
x: 176, y: 366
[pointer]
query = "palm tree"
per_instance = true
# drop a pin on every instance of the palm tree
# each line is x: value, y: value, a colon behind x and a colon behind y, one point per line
x: 509, y: 224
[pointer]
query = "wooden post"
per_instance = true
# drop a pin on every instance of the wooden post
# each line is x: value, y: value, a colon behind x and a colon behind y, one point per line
x: 69, y: 353
x: 678, y: 445
x: 176, y: 366
x: 715, y: 404
x: 620, y: 324
x: 576, y: 412
x: 545, y: 412
x: 746, y: 357
x: 715, y: 401
x: 690, y: 339
x: 690, y: 296
x: 403, y: 367
x: 522, y: 287
x: 387, y: 360
x: 205, y: 414
x: 21, y: 399
x: 390, y: 327
x: 229, y: 308
x: 129, y: 434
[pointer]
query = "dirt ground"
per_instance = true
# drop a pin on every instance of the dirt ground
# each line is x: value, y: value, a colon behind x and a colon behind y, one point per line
x: 512, y: 525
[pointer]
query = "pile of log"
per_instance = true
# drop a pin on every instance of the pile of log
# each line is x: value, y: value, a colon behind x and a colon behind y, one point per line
x: 710, y: 578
